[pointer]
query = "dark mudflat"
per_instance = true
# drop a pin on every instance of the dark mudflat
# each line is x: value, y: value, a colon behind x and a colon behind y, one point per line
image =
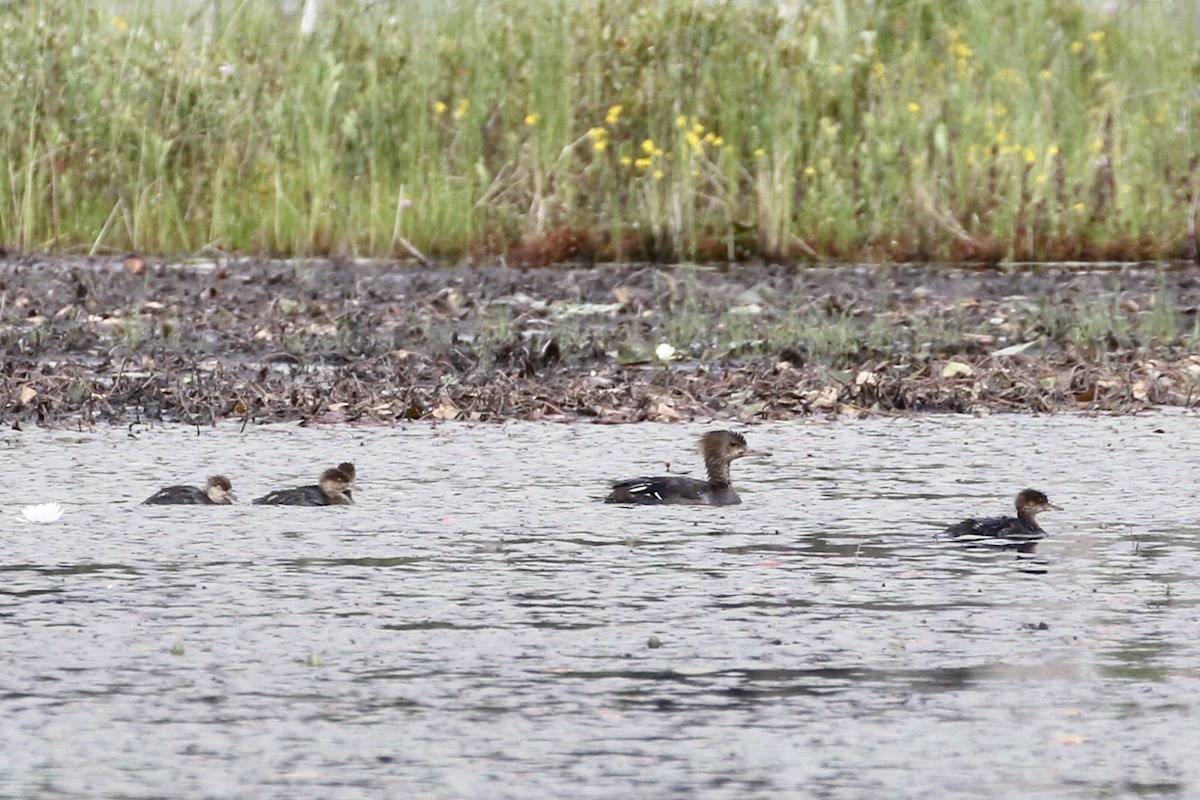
x: 122, y: 340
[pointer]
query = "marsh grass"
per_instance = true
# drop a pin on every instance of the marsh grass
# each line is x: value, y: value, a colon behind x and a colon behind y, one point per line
x: 546, y: 130
x: 711, y: 327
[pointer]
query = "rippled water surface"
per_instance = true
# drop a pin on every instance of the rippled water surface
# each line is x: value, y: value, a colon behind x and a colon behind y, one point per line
x: 479, y: 626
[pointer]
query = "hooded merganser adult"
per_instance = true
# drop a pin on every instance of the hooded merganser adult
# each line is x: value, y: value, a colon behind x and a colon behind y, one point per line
x: 719, y: 449
x: 217, y: 492
x: 1021, y: 528
x: 333, y: 490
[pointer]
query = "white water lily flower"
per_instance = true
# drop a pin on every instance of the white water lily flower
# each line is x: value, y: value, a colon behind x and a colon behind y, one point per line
x: 42, y: 512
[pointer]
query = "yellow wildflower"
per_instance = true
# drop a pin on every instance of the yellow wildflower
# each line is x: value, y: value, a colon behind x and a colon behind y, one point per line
x: 658, y: 174
x: 1078, y: 207
x: 642, y: 163
x: 962, y: 50
x: 1030, y: 155
x: 1076, y: 48
x: 710, y: 137
x: 760, y: 153
x: 532, y: 119
x: 914, y: 108
x: 599, y: 145
x: 120, y: 24
x: 697, y: 128
x: 681, y: 121
x: 648, y: 146
x: 626, y: 161
x: 810, y: 171
x: 597, y: 134
x: 1045, y: 74
x: 1096, y: 36
x: 1052, y: 150
x: 614, y: 113
x: 694, y: 142
x: 718, y: 141
x: 838, y: 69
x: 463, y: 107
x: 1096, y: 145
x: 1040, y: 179
x: 439, y: 108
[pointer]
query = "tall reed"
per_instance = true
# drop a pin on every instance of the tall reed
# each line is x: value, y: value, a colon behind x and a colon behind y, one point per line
x: 544, y: 129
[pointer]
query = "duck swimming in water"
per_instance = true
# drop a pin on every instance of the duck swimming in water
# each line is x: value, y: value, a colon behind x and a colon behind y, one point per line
x: 217, y: 492
x: 719, y: 449
x: 332, y: 490
x: 1021, y: 528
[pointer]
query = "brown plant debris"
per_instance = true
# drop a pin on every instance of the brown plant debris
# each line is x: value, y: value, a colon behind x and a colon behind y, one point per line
x: 89, y: 342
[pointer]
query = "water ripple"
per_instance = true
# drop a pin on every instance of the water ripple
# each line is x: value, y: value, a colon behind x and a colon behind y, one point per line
x: 484, y: 627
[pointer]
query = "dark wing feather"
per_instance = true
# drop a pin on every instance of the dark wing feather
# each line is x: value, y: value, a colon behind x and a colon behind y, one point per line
x: 996, y: 528
x: 302, y: 496
x: 178, y: 496
x: 664, y: 490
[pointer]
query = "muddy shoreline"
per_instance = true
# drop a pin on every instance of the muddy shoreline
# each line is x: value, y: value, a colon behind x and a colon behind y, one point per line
x: 121, y: 341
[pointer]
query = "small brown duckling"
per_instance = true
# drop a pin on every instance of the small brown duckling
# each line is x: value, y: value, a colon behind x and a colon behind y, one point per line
x: 217, y: 492
x: 332, y: 490
x: 719, y: 448
x: 1021, y: 528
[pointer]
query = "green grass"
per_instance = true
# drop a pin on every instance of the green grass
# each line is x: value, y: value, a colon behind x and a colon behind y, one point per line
x: 931, y: 129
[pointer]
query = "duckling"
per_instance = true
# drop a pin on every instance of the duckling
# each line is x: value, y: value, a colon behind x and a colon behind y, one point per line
x: 217, y: 492
x: 719, y: 449
x: 1021, y: 528
x: 332, y: 490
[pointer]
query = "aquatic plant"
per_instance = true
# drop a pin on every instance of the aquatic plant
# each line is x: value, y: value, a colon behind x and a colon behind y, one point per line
x: 42, y: 512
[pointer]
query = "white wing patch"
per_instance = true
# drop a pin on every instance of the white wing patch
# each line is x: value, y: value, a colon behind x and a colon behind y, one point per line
x: 644, y: 487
